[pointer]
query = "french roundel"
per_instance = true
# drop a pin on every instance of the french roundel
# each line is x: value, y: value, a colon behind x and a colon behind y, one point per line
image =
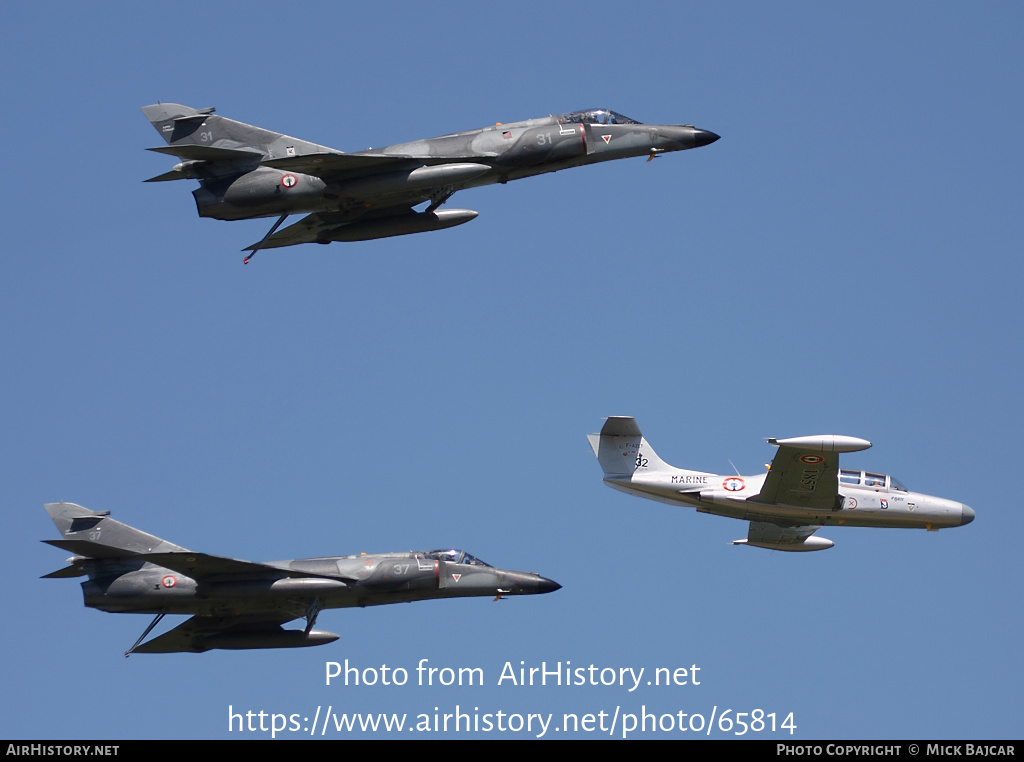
x: 169, y: 581
x: 289, y: 181
x: 812, y: 460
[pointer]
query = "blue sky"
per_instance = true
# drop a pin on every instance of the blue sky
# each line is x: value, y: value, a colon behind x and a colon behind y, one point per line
x: 846, y: 259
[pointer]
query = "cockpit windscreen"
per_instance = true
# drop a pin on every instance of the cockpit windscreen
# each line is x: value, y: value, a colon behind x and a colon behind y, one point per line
x: 454, y: 556
x: 595, y: 116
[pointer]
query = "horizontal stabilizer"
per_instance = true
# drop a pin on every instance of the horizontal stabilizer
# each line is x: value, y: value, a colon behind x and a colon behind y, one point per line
x: 166, y: 176
x: 206, y: 153
x: 91, y: 549
x: 67, y: 571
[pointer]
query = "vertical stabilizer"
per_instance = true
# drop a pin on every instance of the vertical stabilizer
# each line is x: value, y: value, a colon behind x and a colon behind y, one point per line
x: 182, y: 127
x: 77, y: 523
x: 621, y: 449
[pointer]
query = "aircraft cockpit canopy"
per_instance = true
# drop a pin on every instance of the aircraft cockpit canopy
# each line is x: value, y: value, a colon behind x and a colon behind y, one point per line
x: 867, y: 479
x: 454, y: 556
x: 596, y: 116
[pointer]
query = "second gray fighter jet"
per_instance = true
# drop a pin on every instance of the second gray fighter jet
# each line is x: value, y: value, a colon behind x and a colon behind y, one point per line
x: 246, y: 172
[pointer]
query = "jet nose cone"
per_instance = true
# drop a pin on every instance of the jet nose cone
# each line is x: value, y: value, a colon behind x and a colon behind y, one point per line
x: 680, y: 137
x: 704, y: 138
x: 967, y: 515
x: 526, y: 583
x: 546, y: 585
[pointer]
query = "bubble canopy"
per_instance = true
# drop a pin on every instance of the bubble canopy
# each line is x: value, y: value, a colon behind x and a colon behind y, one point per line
x: 596, y: 116
x: 454, y: 556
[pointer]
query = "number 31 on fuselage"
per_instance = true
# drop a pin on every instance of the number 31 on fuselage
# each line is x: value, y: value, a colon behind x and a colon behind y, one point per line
x: 246, y: 172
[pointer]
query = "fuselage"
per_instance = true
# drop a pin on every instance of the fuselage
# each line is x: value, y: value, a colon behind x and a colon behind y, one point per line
x: 123, y: 585
x: 495, y: 154
x: 868, y: 500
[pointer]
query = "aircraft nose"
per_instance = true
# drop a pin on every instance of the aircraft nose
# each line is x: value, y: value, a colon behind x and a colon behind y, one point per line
x: 967, y: 514
x: 679, y: 137
x: 529, y: 583
x: 704, y: 138
x: 545, y: 585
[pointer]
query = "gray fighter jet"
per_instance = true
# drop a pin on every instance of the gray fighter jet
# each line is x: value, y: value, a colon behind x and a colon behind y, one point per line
x: 246, y: 172
x: 242, y: 605
x: 802, y: 490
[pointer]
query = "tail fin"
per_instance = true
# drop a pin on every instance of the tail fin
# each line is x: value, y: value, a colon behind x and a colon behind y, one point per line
x: 174, y: 121
x: 198, y: 134
x: 94, y: 535
x: 622, y: 450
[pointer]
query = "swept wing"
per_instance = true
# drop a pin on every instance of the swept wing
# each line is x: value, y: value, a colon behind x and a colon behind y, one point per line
x: 201, y: 633
x: 198, y: 566
x: 805, y: 471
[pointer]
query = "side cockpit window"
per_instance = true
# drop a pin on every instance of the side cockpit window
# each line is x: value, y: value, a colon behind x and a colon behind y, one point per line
x: 874, y: 480
x: 849, y: 477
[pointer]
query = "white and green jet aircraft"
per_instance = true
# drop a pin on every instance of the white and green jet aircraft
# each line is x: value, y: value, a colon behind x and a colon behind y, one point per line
x: 804, y: 489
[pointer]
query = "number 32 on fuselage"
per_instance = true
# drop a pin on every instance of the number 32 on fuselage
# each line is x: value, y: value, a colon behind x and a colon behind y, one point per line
x: 802, y: 490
